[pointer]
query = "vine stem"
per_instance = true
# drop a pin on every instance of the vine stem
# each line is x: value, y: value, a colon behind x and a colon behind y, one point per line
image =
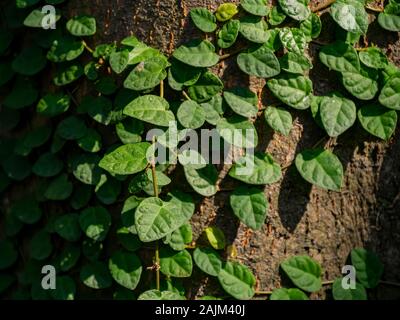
x: 162, y: 89
x: 87, y: 46
x: 155, y: 188
x: 186, y: 95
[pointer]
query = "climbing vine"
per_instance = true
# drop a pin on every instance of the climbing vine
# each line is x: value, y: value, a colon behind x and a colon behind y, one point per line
x: 64, y: 172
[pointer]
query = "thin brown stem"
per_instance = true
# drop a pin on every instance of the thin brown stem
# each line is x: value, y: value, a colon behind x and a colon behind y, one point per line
x: 87, y: 46
x: 162, y: 88
x: 390, y: 283
x: 186, y: 95
x: 262, y: 293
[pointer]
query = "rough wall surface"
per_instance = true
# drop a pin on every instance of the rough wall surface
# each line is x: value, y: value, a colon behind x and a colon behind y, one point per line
x: 302, y: 219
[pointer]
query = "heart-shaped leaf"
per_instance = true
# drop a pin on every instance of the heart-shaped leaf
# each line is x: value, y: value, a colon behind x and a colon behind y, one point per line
x: 59, y: 188
x: 82, y: 26
x: 214, y: 109
x: 67, y: 227
x: 30, y: 61
x: 320, y: 167
x: 337, y: 114
x: 237, y: 280
x: 68, y: 74
x: 293, y: 90
x: 191, y: 115
x: 295, y: 63
x: 65, y: 49
x: 373, y: 57
x: 228, y: 34
x: 208, y: 261
x: 378, y: 120
x: 226, y: 11
x: 126, y: 269
x: 154, y: 219
x: 311, y: 27
x: 152, y: 109
x: 363, y: 84
x: 340, y: 293
x: 175, y: 264
x: 350, y: 15
x: 304, y: 272
x: 293, y: 39
x: 369, y: 268
x: 276, y: 16
x: 197, y: 53
x: 390, y: 94
x: 119, y: 61
x: 206, y: 87
x: 215, y: 237
x: 203, y: 19
x: 254, y: 29
x: 95, y: 222
x: 85, y: 168
x: 295, y: 9
x: 95, y: 275
x: 250, y: 206
x: 279, y: 119
x: 256, y: 7
x: 203, y: 180
x: 238, y: 131
x: 242, y: 101
x: 180, y: 237
x: 340, y: 56
x: 181, y: 75
x: 71, y: 128
x: 260, y: 63
x: 127, y: 159
x: 53, y: 104
x: 257, y: 169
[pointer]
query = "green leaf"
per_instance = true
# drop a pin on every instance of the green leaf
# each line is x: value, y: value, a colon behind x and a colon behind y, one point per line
x: 85, y: 168
x: 40, y: 246
x: 238, y: 131
x: 237, y: 280
x: 390, y: 94
x: 304, y: 272
x: 128, y: 240
x: 6, y: 72
x: 129, y: 131
x: 36, y: 17
x: 107, y: 190
x: 202, y: 180
x: 206, y: 87
x: 59, y: 188
x: 180, y: 75
x: 276, y: 16
x: 256, y: 7
x: 389, y: 21
x: 242, y: 101
x: 95, y: 222
x: 175, y: 264
x: 337, y: 114
x: 81, y: 26
x: 81, y: 196
x: 191, y: 115
x: 257, y: 169
x: 203, y: 19
x: 32, y: 139
x: 100, y: 110
x: 67, y: 227
x: 373, y: 57
x: 152, y: 109
x: 197, y: 53
x: 288, y: 294
x: 378, y: 120
x: 27, y: 211
x: 339, y: 293
x: 363, y: 84
x: 180, y: 237
x: 53, y: 104
x: 184, y: 202
x: 91, y: 249
x: 295, y: 9
x: 17, y: 167
x: 213, y: 109
x: 260, y: 63
x: 8, y: 254
x: 95, y: 275
x: 254, y: 29
x: 65, y: 49
x: 250, y: 206
x: 350, y: 15
x: 207, y: 260
x: 228, y: 34
x: 91, y: 142
x: 65, y: 289
x: 71, y: 128
x: 68, y: 74
x: 369, y: 268
x: 279, y: 119
x: 119, y: 61
x: 154, y: 219
x: 226, y: 11
x: 23, y: 94
x: 293, y: 39
x: 147, y: 74
x: 126, y: 269
x: 30, y: 61
x: 293, y: 90
x: 21, y: 4
x: 158, y: 295
x: 47, y: 165
x: 311, y: 27
x: 106, y: 85
x: 127, y: 159
x: 68, y: 257
x: 216, y: 237
x: 295, y: 63
x: 340, y: 56
x: 320, y: 167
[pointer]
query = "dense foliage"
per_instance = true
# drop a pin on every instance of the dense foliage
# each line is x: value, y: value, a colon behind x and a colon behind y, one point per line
x: 80, y: 190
